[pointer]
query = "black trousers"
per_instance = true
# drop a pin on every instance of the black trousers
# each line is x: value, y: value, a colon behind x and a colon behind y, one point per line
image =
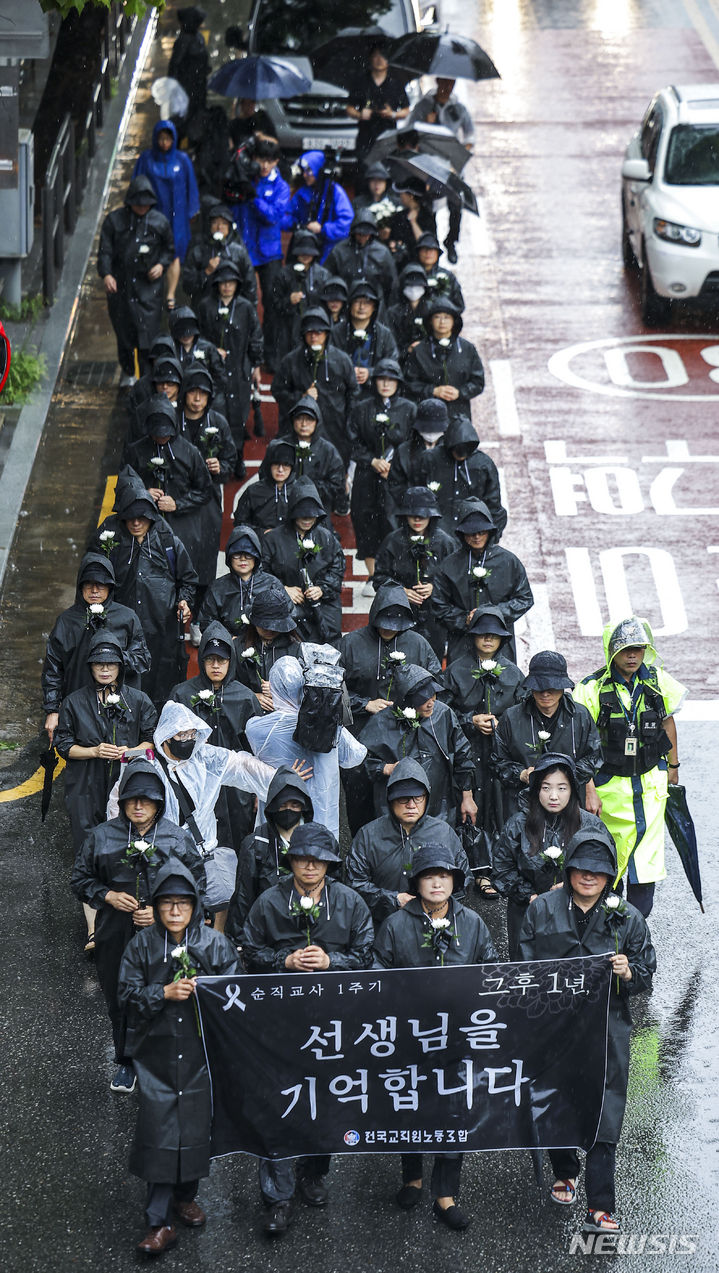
x: 599, y: 1169
x: 108, y: 957
x: 455, y: 220
x: 160, y: 1197
x: 271, y: 320
x: 446, y: 1171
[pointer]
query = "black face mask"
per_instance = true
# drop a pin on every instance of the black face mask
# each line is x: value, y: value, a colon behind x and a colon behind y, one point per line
x: 286, y: 818
x: 181, y: 749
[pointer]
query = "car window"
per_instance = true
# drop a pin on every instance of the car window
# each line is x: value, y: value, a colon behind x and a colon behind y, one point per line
x: 298, y: 26
x: 651, y: 132
x: 693, y: 156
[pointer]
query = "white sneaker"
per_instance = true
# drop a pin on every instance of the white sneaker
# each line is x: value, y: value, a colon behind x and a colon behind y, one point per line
x: 368, y: 590
x: 195, y: 634
x: 127, y: 381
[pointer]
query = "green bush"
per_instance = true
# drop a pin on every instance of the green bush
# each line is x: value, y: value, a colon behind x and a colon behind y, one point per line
x: 29, y: 309
x: 26, y: 370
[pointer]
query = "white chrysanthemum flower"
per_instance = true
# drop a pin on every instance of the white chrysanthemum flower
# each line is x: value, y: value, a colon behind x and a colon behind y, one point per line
x: 96, y: 608
x: 306, y: 903
x: 382, y: 417
x: 553, y: 852
x: 112, y: 700
x: 141, y: 846
x: 612, y: 902
x: 205, y: 695
x: 444, y: 341
x: 105, y: 535
x: 178, y: 952
x: 479, y: 572
x: 439, y: 923
x: 543, y: 735
x: 304, y: 445
x: 433, y: 487
x: 218, y: 236
x: 249, y: 653
x: 397, y: 656
x: 488, y: 665
x: 308, y: 543
x: 410, y: 713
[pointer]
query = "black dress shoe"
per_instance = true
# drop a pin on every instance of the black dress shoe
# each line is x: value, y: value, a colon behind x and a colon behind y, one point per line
x: 408, y: 1196
x: 278, y: 1218
x: 312, y: 1190
x: 451, y: 253
x: 451, y: 1216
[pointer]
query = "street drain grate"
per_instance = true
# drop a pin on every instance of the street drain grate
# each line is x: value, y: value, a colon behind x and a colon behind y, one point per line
x: 92, y: 374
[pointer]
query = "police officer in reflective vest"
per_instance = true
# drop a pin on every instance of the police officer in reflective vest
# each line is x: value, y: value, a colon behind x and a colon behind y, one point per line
x: 632, y: 699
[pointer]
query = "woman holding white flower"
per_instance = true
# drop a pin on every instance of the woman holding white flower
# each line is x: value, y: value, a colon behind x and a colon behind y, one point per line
x: 582, y: 918
x: 443, y: 365
x: 306, y: 556
x: 528, y: 857
x: 433, y: 930
x: 316, y: 457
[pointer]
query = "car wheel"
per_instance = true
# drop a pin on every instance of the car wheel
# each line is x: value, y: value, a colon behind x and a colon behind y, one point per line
x: 654, y: 308
x: 628, y: 256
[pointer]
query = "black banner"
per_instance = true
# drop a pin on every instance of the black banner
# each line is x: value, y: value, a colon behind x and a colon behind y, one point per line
x: 491, y: 1056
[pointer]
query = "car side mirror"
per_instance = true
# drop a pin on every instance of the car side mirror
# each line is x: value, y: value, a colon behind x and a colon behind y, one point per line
x: 636, y: 170
x: 4, y: 357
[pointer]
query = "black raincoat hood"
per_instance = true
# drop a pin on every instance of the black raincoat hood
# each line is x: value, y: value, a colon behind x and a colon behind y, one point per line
x: 216, y: 631
x: 130, y: 489
x: 176, y: 868
x: 441, y: 305
x: 270, y: 457
x: 197, y: 377
x: 482, y: 612
x: 391, y: 596
x: 156, y: 406
x: 105, y: 571
x: 304, y: 489
x: 242, y: 532
x: 460, y: 433
x: 140, y: 767
x: 164, y: 363
x: 183, y: 316
x: 105, y: 638
x: 287, y: 778
x: 407, y: 769
x: 552, y: 760
x: 307, y: 406
x: 163, y: 346
x: 140, y: 192
x: 583, y: 838
x: 474, y: 505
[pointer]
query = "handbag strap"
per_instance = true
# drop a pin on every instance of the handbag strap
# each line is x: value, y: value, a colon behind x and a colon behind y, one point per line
x: 185, y: 803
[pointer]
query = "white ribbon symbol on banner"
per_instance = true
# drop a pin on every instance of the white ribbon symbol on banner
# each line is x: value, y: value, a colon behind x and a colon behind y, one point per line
x: 233, y: 997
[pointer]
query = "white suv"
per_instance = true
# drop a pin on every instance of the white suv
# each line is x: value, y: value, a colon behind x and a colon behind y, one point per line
x: 670, y: 199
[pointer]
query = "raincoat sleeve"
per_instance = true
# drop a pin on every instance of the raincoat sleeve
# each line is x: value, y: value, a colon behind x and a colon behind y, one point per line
x: 361, y: 936
x: 185, y: 574
x: 285, y: 391
x: 246, y: 772
x: 506, y: 876
x: 106, y: 250
x: 200, y: 486
x: 67, y: 729
x: 134, y: 994
x: 521, y: 598
x: 83, y: 881
x: 528, y: 936
x: 274, y: 210
x: 148, y: 718
x: 350, y: 752
x: 259, y: 953
x: 337, y: 225
x: 636, y: 944
x: 472, y: 373
x: 137, y: 655
x: 507, y: 769
x: 463, y: 767
x: 246, y: 889
x: 384, y: 954
x: 672, y: 691
x: 186, y: 851
x: 256, y: 344
x: 444, y: 606
x: 332, y: 571
x: 52, y: 673
x: 359, y: 878
x: 588, y: 757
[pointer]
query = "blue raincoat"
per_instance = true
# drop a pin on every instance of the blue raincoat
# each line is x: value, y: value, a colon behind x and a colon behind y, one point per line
x: 326, y: 202
x: 173, y: 180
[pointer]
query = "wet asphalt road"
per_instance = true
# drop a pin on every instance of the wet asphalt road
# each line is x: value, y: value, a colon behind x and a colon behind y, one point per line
x: 546, y: 276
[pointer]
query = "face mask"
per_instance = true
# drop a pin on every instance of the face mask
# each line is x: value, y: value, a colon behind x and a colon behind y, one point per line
x: 431, y: 438
x: 286, y: 818
x: 413, y: 293
x: 181, y: 749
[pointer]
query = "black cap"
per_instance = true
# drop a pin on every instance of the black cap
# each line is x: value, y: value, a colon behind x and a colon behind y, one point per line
x: 304, y: 243
x: 489, y: 622
x: 389, y: 368
x: 364, y: 221
x: 334, y: 289
x: 313, y: 840
x: 175, y: 886
x: 434, y: 857
x: 376, y: 172
x: 226, y: 272
x: 142, y: 783
x: 139, y: 508
x: 419, y: 501
x: 215, y: 646
x: 421, y: 692
x: 428, y: 240
x: 363, y: 287
x: 283, y: 453
x: 272, y: 610
x: 410, y: 787
x: 183, y: 321
x: 393, y: 619
x: 104, y: 654
x: 548, y: 671
x: 314, y: 319
x: 432, y: 416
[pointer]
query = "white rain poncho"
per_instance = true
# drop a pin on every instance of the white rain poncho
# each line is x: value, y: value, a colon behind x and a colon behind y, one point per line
x: 270, y: 737
x: 207, y: 769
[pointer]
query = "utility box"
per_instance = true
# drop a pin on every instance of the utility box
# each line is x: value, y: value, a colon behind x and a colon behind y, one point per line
x: 17, y: 205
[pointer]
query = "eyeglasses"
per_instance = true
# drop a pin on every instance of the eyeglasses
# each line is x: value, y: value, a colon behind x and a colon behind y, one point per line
x: 176, y: 903
x: 410, y: 799
x: 184, y: 735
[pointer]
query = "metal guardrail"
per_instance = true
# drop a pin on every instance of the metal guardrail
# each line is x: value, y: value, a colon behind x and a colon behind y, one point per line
x: 67, y: 170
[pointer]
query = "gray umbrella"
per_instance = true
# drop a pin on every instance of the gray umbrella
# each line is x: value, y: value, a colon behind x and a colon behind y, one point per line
x: 442, y: 181
x: 430, y: 139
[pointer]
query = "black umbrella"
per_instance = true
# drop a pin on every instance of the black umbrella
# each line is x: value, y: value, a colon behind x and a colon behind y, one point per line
x: 681, y: 829
x: 451, y: 57
x: 259, y: 78
x: 342, y: 59
x: 442, y: 181
x: 48, y: 760
x: 428, y: 139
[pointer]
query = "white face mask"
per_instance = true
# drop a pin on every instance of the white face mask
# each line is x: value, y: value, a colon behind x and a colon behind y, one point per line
x: 431, y: 439
x: 413, y: 293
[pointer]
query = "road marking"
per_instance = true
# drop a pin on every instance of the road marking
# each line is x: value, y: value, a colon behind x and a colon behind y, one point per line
x: 702, y: 28
x: 31, y: 786
x: 507, y: 418
x: 559, y: 365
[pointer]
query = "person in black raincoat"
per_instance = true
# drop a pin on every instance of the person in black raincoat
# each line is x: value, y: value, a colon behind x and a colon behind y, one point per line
x: 262, y: 857
x: 136, y: 247
x: 547, y: 719
x: 298, y: 286
x: 371, y: 657
x: 278, y: 936
x: 191, y: 348
x: 381, y: 860
x: 226, y: 705
x: 333, y: 299
x: 380, y: 422
x: 422, y: 727
x: 433, y: 929
x: 444, y: 365
x: 363, y: 338
x: 458, y: 470
x: 363, y: 256
x: 165, y: 377
x: 429, y: 425
x: 190, y: 60
x: 271, y: 635
x: 378, y: 187
x: 155, y: 579
x: 480, y: 687
x: 264, y: 504
x: 307, y: 558
x: 316, y: 458
x: 411, y: 556
x: 325, y: 372
x: 231, y: 323
x: 179, y: 483
x: 115, y: 879
x: 480, y: 573
x: 229, y: 598
x: 209, y: 433
x: 406, y: 317
x: 94, y: 609
x: 415, y: 216
x: 585, y: 918
x: 213, y: 246
x: 550, y: 814
x: 440, y: 281
x: 171, y: 1149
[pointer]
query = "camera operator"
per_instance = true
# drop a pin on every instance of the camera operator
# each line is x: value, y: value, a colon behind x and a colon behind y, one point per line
x: 262, y: 197
x: 320, y: 205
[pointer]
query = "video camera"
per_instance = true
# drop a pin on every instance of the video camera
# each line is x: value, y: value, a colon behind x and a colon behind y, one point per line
x: 242, y: 175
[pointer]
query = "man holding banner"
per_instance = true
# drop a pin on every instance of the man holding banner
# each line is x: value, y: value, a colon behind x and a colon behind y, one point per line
x: 305, y: 924
x: 585, y: 918
x: 434, y: 930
